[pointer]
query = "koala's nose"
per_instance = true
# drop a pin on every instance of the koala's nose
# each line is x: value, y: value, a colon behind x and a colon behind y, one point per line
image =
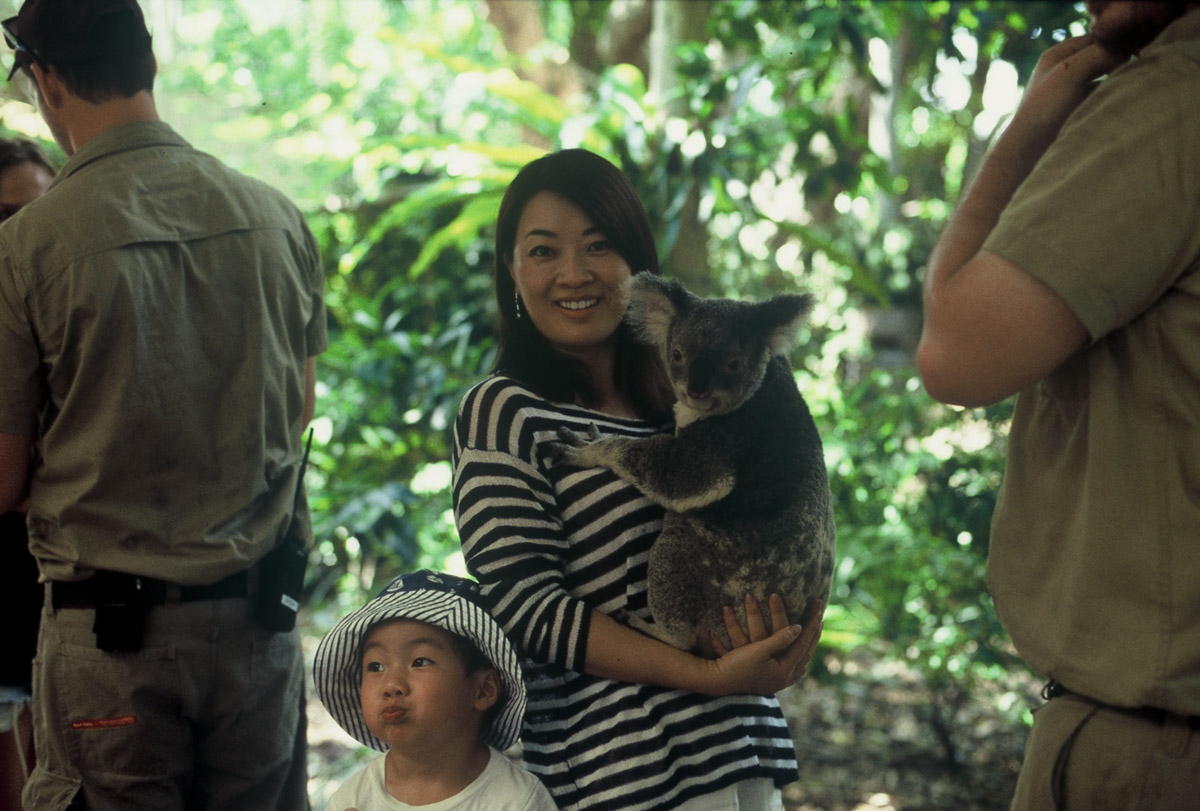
x: 700, y: 376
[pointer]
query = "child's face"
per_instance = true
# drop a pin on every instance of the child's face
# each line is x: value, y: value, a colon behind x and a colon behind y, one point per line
x: 415, y: 688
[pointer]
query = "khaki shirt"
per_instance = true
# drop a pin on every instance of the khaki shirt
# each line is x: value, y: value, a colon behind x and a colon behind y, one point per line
x: 1095, y: 551
x: 156, y: 313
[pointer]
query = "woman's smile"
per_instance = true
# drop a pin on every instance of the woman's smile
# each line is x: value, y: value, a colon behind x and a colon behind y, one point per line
x: 582, y: 304
x: 568, y: 275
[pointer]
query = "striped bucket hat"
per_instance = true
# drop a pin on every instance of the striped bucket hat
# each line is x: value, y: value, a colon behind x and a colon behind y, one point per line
x: 449, y: 602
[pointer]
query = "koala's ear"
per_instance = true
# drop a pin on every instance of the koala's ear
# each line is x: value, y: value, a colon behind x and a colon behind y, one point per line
x: 654, y: 303
x: 782, y: 317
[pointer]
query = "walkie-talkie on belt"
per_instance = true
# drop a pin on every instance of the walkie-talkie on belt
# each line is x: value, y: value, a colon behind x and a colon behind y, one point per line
x: 281, y: 571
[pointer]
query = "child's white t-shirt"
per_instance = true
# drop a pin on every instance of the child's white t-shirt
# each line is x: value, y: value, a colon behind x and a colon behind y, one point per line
x: 502, y: 786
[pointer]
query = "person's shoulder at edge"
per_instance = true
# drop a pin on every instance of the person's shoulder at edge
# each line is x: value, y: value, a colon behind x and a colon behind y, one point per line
x: 533, y: 794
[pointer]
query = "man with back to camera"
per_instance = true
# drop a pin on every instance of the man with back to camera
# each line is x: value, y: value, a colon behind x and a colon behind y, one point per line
x: 1070, y: 273
x: 159, y: 317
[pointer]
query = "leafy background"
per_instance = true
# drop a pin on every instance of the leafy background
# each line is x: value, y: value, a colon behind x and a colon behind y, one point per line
x: 778, y: 146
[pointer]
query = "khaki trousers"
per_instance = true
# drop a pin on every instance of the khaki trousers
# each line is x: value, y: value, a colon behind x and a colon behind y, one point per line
x: 1084, y: 756
x: 208, y: 715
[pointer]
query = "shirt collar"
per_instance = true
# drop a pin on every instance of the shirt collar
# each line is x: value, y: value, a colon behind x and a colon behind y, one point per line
x: 1186, y: 27
x: 121, y: 138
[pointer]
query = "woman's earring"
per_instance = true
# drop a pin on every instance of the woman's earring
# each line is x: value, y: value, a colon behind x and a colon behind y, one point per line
x: 517, y: 303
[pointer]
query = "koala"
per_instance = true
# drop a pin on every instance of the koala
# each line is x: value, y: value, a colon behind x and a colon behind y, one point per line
x: 743, y: 477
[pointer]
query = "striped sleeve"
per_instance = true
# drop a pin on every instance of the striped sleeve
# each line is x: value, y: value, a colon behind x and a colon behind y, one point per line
x: 512, y: 536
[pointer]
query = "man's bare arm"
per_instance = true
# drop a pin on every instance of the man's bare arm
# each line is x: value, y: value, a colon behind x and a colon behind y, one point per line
x: 990, y: 328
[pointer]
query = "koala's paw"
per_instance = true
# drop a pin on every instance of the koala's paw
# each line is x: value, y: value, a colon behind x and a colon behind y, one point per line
x: 569, y: 449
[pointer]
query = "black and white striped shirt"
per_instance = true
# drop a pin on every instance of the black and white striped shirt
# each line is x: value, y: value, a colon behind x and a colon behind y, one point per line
x: 548, y: 544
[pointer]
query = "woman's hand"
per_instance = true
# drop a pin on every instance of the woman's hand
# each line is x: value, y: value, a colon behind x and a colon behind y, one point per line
x: 766, y: 657
x: 756, y: 628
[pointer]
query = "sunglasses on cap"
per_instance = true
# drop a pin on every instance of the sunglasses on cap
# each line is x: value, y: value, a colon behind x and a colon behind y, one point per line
x: 23, y: 55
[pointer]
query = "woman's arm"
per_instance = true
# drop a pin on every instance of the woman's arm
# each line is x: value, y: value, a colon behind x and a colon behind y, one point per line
x: 763, y: 664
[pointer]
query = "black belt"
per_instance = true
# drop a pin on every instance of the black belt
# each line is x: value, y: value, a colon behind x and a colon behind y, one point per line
x: 110, y: 587
x: 1156, y: 715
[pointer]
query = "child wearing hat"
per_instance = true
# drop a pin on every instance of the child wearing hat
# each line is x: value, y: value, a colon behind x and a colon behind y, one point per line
x: 423, y: 673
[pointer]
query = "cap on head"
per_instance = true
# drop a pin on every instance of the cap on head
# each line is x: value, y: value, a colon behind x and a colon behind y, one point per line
x: 78, y: 31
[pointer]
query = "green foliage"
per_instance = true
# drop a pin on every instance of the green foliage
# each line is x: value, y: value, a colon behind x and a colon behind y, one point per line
x: 915, y: 491
x: 807, y: 144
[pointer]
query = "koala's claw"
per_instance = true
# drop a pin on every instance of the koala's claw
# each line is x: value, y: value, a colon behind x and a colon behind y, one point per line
x: 571, y: 438
x: 567, y: 449
x: 576, y: 439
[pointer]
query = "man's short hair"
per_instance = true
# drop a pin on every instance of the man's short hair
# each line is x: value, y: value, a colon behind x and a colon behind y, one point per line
x: 100, y: 49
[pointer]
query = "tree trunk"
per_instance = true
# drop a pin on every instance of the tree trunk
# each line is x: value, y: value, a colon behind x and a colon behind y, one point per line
x: 677, y: 22
x: 520, y: 26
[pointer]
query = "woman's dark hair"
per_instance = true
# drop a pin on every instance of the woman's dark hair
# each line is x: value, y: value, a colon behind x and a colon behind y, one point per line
x: 15, y: 151
x: 605, y: 195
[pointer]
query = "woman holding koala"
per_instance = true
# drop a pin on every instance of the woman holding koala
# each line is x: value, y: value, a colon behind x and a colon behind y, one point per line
x: 616, y: 719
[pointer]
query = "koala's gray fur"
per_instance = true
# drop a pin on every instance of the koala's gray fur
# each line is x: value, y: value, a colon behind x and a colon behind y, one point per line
x: 743, y: 478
